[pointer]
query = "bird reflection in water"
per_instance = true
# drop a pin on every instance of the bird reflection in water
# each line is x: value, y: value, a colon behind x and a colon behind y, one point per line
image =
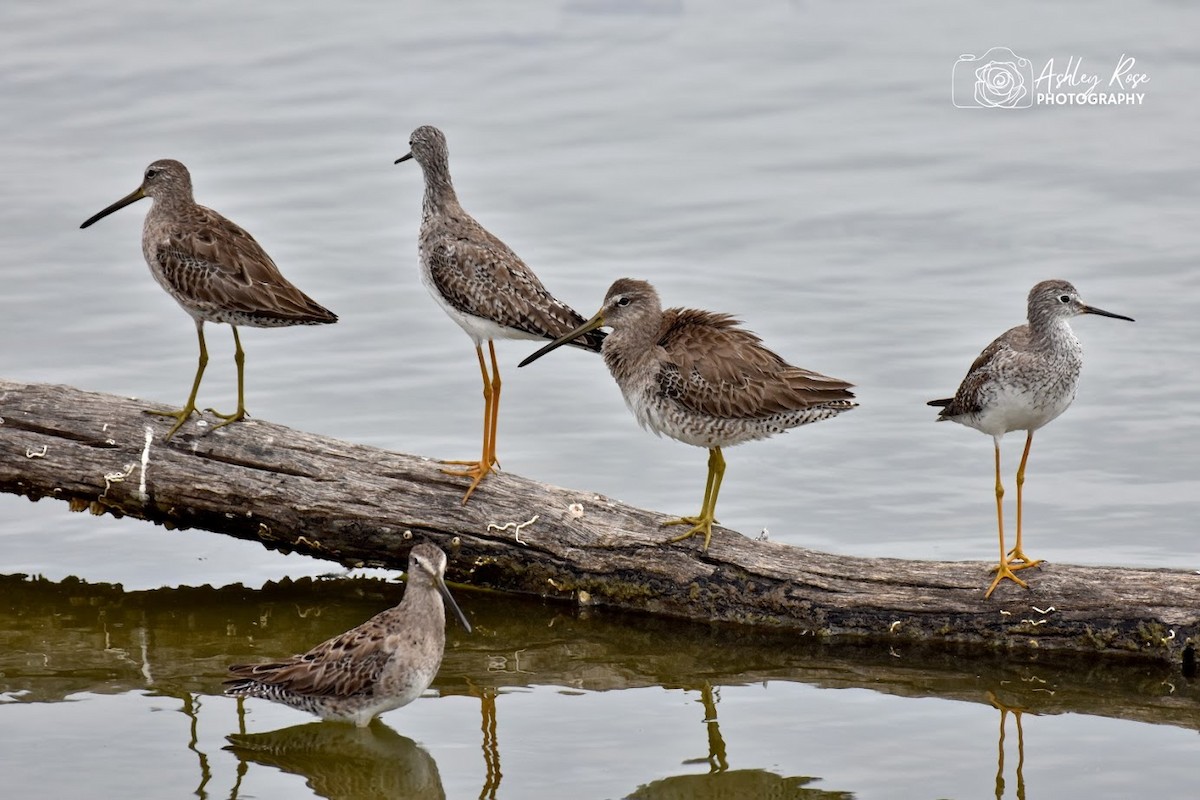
x: 1017, y: 711
x: 722, y: 782
x: 342, y: 761
x: 491, y: 745
x: 717, y: 762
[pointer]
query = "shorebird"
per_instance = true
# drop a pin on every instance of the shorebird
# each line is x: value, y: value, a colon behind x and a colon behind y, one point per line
x: 699, y: 379
x: 482, y: 285
x: 1021, y: 381
x: 214, y: 269
x: 383, y: 664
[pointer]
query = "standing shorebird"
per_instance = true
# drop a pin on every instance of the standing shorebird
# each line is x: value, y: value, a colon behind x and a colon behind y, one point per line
x: 698, y: 378
x: 383, y: 664
x: 214, y: 269
x: 1021, y: 381
x: 482, y: 285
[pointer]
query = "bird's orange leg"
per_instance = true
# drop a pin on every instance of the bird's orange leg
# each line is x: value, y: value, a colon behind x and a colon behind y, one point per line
x: 1002, y: 569
x: 478, y: 470
x: 1017, y: 554
x: 495, y: 422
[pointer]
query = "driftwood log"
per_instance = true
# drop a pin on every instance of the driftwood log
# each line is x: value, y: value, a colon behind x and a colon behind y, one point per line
x: 362, y: 506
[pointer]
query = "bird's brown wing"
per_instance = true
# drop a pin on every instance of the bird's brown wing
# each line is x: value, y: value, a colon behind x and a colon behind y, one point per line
x: 716, y: 368
x: 218, y: 264
x: 345, y: 665
x: 966, y: 400
x: 479, y: 275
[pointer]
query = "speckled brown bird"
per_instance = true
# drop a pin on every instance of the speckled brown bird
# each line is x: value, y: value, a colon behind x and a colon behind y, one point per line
x: 482, y: 285
x: 214, y: 270
x: 383, y: 664
x: 698, y: 378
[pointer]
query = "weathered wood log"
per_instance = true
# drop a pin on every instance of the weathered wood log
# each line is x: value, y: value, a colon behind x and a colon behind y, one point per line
x: 360, y: 505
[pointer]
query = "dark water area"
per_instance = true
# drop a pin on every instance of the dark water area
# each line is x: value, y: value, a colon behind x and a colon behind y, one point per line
x: 72, y: 644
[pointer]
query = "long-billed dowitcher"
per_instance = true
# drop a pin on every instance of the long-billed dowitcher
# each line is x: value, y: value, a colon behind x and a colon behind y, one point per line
x: 698, y: 378
x: 214, y: 269
x: 385, y: 663
x: 482, y: 284
x: 1021, y: 381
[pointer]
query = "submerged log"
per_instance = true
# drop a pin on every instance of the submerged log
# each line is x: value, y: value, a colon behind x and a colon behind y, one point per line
x: 363, y: 506
x: 59, y: 639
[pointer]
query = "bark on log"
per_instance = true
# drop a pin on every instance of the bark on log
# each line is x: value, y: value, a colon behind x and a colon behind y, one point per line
x: 359, y: 505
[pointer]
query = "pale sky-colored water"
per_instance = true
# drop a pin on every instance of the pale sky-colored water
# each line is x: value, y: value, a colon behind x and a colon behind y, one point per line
x: 797, y: 164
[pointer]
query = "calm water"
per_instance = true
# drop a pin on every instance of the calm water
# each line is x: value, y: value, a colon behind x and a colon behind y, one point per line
x: 799, y: 165
x: 542, y: 702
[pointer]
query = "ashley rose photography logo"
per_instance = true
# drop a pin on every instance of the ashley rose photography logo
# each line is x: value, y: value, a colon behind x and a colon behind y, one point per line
x: 1002, y: 79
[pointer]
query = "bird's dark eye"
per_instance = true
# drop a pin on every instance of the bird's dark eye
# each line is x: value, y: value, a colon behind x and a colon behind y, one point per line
x: 1064, y: 298
x: 622, y: 301
x: 150, y: 173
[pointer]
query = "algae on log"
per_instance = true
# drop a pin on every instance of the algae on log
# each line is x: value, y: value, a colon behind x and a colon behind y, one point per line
x: 359, y: 505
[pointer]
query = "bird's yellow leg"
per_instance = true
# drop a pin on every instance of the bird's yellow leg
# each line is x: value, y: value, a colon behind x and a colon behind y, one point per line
x: 477, y: 470
x: 1017, y: 554
x: 704, y: 521
x: 239, y: 358
x: 708, y: 485
x: 182, y: 414
x: 1002, y: 569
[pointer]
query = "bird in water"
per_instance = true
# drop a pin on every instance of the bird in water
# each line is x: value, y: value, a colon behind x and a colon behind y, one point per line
x: 1020, y: 382
x: 383, y: 664
x: 482, y: 285
x: 698, y: 378
x: 215, y: 270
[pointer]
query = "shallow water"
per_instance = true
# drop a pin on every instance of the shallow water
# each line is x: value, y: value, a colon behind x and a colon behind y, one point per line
x: 799, y: 165
x: 542, y: 701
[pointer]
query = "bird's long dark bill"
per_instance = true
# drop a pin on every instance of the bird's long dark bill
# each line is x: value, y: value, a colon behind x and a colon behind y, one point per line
x: 441, y: 585
x: 1101, y: 312
x: 403, y: 158
x: 132, y: 197
x: 591, y: 325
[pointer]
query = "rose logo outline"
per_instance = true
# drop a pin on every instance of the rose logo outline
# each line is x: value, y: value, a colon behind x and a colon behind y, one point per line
x: 999, y: 84
x: 999, y: 78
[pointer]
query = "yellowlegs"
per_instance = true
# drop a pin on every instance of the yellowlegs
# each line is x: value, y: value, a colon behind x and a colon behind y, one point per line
x: 1021, y: 381
x: 698, y: 378
x: 482, y: 285
x: 383, y: 664
x: 214, y: 269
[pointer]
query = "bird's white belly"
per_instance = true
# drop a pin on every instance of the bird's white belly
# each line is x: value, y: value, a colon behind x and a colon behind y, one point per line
x: 1020, y: 409
x: 649, y: 416
x: 395, y: 691
x: 663, y: 419
x: 479, y: 329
